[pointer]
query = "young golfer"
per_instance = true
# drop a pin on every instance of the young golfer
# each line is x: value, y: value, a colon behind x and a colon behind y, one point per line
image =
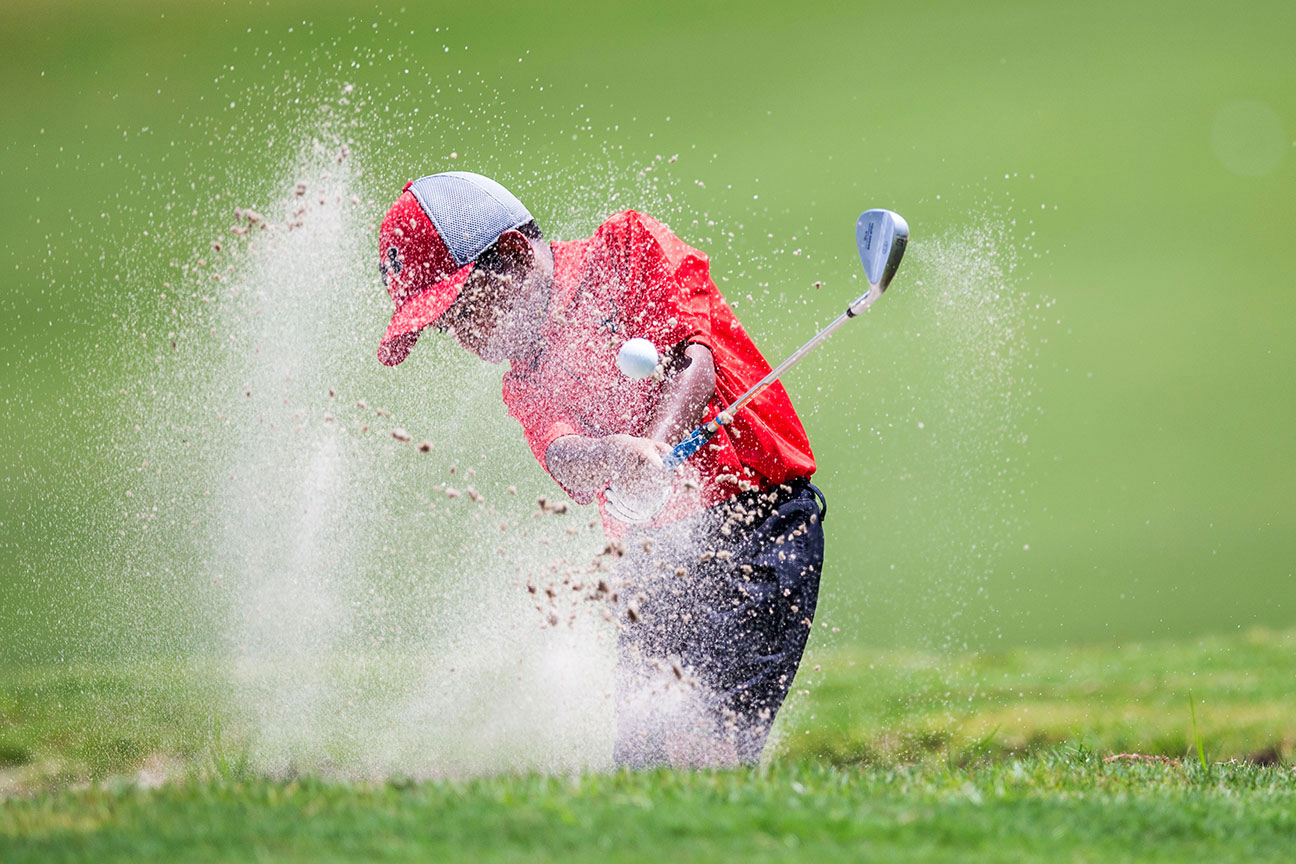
x: 722, y: 558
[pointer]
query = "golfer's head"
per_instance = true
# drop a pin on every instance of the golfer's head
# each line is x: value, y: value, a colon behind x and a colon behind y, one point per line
x: 451, y: 249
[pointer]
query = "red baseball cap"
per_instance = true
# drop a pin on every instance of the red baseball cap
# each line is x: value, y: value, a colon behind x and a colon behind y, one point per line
x: 428, y: 244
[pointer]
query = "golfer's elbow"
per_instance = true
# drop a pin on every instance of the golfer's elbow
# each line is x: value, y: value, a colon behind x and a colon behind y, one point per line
x: 700, y: 373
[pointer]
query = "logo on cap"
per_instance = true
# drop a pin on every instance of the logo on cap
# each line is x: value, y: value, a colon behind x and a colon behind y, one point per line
x: 391, y: 266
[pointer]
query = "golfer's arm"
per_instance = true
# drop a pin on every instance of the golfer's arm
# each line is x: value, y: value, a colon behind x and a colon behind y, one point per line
x: 585, y: 465
x: 685, y: 395
x: 580, y: 463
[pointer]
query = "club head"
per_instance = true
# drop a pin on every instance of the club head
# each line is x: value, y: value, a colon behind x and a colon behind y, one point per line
x: 881, y: 236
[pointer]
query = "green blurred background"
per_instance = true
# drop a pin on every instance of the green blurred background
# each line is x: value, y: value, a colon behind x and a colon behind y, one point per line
x: 1110, y: 459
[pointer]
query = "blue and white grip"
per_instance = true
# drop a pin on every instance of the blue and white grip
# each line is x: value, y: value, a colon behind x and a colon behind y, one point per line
x: 692, y: 443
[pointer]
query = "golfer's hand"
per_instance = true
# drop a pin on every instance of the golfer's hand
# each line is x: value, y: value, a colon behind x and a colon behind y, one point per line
x: 628, y: 468
x: 639, y: 483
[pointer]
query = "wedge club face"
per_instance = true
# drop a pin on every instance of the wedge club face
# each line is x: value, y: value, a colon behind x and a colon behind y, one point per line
x: 881, y: 236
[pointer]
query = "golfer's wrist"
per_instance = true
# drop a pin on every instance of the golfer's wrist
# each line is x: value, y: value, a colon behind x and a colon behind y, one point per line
x: 608, y: 458
x: 616, y: 454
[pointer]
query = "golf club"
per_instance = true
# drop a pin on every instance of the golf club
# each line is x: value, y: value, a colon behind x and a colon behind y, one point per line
x: 881, y: 236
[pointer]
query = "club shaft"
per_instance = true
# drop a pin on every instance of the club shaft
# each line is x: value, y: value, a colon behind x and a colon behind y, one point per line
x: 701, y: 435
x: 798, y: 355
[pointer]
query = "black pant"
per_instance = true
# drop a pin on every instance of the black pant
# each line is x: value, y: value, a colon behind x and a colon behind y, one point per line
x: 717, y: 610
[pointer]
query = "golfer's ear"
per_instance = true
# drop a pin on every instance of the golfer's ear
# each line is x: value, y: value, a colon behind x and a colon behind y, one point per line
x: 515, y: 250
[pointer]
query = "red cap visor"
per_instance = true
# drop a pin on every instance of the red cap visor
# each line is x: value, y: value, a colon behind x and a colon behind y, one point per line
x: 417, y: 312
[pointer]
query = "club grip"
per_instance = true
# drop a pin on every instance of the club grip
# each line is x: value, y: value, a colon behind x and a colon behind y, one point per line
x: 692, y: 443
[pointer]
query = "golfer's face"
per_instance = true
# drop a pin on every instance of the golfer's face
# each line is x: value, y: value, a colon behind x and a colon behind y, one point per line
x: 485, y: 319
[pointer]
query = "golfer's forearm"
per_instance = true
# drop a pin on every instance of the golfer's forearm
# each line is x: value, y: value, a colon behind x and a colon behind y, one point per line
x: 684, y: 396
x: 579, y: 463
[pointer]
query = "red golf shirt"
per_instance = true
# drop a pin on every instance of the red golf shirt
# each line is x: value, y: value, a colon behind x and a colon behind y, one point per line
x: 635, y: 278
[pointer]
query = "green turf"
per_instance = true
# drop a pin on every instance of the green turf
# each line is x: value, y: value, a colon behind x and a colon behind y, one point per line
x: 61, y: 726
x: 880, y: 707
x: 1053, y: 807
x: 895, y: 755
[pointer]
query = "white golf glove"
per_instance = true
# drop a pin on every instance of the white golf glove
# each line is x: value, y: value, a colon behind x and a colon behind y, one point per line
x: 635, y: 511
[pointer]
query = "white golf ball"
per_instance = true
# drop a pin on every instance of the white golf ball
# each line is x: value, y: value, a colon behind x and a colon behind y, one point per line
x: 637, y: 358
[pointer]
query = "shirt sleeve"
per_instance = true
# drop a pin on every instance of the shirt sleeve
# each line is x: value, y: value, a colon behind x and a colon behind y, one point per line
x: 673, y: 291
x: 542, y: 424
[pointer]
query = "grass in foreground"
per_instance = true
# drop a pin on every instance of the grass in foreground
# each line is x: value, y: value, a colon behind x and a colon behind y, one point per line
x: 884, y: 708
x: 68, y: 725
x: 893, y: 756
x: 1064, y: 805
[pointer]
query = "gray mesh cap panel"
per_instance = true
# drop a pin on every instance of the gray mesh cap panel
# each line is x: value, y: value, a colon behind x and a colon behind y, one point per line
x: 468, y: 210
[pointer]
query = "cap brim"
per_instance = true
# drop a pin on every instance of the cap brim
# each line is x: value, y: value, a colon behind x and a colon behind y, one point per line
x: 418, y: 312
